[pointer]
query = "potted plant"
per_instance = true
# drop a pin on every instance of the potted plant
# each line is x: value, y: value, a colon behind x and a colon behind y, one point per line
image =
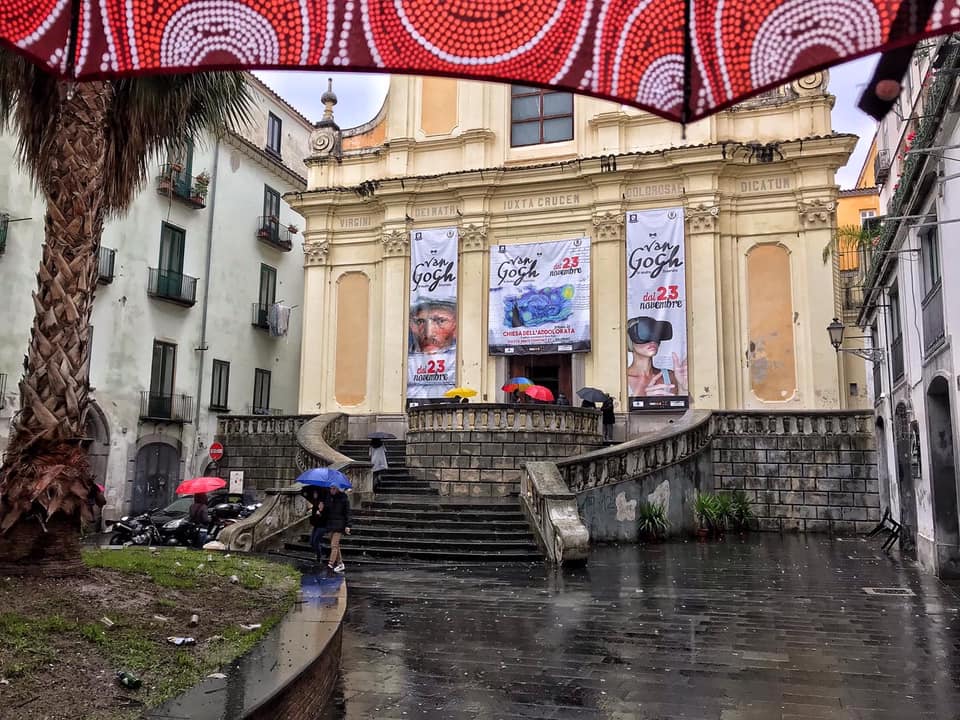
x: 705, y: 509
x: 724, y: 506
x: 176, y: 167
x: 652, y: 523
x: 201, y: 184
x: 740, y: 511
x: 293, y: 229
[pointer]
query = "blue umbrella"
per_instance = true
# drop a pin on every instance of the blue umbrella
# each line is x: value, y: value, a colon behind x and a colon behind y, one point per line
x: 325, y: 477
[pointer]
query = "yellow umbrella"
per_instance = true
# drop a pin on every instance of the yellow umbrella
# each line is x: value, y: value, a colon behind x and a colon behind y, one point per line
x: 460, y: 392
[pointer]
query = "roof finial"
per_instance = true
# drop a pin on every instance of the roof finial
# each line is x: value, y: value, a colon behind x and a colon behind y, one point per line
x: 329, y: 99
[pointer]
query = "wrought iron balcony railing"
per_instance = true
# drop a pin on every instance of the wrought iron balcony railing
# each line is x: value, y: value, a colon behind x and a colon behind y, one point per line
x: 271, y: 232
x: 172, y: 286
x: 259, y: 315
x: 174, y: 181
x: 881, y: 166
x: 106, y: 260
x: 163, y: 407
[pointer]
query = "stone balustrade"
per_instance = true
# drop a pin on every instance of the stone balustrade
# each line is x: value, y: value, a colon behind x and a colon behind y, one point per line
x: 318, y: 440
x: 264, y: 447
x: 239, y: 425
x: 480, y: 449
x: 551, y: 509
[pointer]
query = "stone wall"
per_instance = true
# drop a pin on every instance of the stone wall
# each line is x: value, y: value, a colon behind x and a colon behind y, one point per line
x: 480, y: 449
x: 264, y: 447
x: 813, y: 472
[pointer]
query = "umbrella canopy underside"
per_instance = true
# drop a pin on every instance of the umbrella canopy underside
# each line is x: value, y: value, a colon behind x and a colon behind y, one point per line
x: 681, y: 59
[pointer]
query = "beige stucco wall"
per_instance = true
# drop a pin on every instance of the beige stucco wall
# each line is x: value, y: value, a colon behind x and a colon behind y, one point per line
x: 470, y: 177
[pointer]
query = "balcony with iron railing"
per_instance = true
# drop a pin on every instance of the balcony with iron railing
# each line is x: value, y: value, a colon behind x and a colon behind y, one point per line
x: 932, y: 311
x: 881, y: 166
x: 852, y: 264
x: 172, y: 286
x: 175, y: 182
x: 260, y: 315
x: 272, y: 233
x: 163, y: 407
x: 106, y: 261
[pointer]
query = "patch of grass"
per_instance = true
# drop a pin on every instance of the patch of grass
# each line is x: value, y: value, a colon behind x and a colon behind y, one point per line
x: 25, y: 642
x: 167, y: 603
x: 187, y: 569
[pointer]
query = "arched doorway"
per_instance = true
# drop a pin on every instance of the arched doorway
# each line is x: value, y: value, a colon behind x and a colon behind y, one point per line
x: 98, y: 436
x: 943, y: 478
x: 157, y: 476
x: 908, y: 495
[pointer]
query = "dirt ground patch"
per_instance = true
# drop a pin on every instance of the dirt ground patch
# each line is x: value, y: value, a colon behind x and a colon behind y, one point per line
x: 59, y: 658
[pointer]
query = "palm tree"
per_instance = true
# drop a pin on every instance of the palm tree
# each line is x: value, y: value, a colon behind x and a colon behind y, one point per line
x: 87, y: 147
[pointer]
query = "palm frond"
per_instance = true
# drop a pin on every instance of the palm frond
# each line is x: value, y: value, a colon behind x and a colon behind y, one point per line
x: 849, y: 237
x: 162, y: 114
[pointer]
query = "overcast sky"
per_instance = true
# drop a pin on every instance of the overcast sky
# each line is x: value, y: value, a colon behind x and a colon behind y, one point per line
x: 360, y: 97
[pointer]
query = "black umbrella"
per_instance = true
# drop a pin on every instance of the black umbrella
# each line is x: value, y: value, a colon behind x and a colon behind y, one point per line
x: 591, y: 394
x: 382, y: 436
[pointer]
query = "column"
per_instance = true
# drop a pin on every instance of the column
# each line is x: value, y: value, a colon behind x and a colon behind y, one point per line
x: 607, y: 369
x: 316, y: 373
x: 395, y: 321
x: 704, y: 324
x: 472, y: 304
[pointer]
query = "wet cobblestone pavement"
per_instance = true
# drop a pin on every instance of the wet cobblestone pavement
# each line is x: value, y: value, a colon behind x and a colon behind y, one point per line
x: 763, y: 629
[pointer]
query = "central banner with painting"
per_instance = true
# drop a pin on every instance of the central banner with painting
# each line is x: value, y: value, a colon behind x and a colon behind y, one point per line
x: 540, y: 298
x: 656, y: 311
x: 432, y: 335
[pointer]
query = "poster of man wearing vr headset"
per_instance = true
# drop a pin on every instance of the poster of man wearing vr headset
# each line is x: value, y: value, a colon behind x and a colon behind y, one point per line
x: 657, y: 310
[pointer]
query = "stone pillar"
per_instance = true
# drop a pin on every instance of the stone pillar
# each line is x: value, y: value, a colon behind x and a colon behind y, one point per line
x: 704, y: 323
x: 472, y: 306
x: 316, y: 368
x: 609, y: 348
x: 395, y: 321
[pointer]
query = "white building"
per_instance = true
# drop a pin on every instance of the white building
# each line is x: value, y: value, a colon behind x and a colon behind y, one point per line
x: 188, y: 277
x: 911, y: 307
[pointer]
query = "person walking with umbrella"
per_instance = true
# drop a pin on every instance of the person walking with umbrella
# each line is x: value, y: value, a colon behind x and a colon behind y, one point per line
x: 378, y: 457
x: 336, y: 521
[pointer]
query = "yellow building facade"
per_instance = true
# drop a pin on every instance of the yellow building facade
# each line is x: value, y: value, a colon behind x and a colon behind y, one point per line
x: 758, y: 196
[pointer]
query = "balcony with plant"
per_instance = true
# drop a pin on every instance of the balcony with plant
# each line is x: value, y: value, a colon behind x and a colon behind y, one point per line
x: 175, y: 182
x: 275, y: 234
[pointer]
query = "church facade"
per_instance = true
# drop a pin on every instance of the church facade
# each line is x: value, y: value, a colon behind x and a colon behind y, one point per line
x: 474, y: 232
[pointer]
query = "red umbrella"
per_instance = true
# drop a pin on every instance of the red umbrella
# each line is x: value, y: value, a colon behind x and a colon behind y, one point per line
x: 539, y: 392
x: 200, y: 485
x: 681, y: 59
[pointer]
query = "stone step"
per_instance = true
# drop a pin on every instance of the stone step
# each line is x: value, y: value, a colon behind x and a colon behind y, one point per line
x: 426, y: 491
x: 465, y: 554
x: 448, y: 535
x: 430, y: 516
x: 444, y: 504
x: 387, y: 522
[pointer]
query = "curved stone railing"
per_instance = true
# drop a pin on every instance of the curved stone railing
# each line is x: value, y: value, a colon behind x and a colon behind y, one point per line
x: 552, y: 512
x: 636, y: 458
x: 261, y: 424
x: 495, y: 417
x: 285, y: 510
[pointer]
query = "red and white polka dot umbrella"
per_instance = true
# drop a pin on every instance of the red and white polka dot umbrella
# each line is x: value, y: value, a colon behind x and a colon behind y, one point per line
x: 681, y: 59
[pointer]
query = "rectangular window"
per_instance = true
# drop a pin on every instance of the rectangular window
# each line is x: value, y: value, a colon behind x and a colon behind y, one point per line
x: 261, y: 392
x: 866, y: 215
x: 930, y: 259
x: 274, y: 131
x: 539, y: 116
x: 271, y: 211
x: 220, y: 389
x: 268, y: 285
x: 170, y: 267
x: 896, y: 335
x: 877, y: 375
x: 161, y: 379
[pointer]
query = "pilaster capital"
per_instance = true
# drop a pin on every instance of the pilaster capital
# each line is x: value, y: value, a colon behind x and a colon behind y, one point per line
x: 473, y: 237
x: 608, y: 226
x: 703, y: 218
x: 816, y: 212
x: 396, y: 242
x: 315, y: 252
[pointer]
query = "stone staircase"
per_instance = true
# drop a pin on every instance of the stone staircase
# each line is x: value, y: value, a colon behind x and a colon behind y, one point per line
x: 408, y: 520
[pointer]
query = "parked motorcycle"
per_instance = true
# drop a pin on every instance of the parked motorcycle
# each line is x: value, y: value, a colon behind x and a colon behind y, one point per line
x: 136, y: 530
x: 183, y: 531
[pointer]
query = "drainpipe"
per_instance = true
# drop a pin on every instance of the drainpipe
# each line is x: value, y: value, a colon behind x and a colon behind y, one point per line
x: 202, y: 349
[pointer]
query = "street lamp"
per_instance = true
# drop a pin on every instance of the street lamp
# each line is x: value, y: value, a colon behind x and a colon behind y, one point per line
x: 835, y: 331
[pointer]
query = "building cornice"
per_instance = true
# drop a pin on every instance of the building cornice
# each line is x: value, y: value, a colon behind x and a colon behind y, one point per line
x: 266, y: 161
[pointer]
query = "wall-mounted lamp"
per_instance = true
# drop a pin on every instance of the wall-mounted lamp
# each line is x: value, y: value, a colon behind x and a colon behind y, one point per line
x: 835, y: 331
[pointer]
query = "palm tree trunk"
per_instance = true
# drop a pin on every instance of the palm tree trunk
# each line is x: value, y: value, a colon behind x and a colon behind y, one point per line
x: 45, y: 482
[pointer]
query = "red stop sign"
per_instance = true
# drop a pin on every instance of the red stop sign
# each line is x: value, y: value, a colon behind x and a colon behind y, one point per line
x: 216, y: 451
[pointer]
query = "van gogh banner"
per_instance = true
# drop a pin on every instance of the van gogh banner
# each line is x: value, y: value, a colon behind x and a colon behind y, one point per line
x: 656, y: 311
x: 540, y: 298
x: 432, y: 337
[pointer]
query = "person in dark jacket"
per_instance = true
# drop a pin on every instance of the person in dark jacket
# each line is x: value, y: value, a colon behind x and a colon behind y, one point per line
x: 608, y: 419
x: 336, y: 521
x: 198, y: 512
x: 315, y: 497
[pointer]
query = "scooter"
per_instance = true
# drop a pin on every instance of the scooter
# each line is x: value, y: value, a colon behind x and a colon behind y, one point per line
x: 136, y: 530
